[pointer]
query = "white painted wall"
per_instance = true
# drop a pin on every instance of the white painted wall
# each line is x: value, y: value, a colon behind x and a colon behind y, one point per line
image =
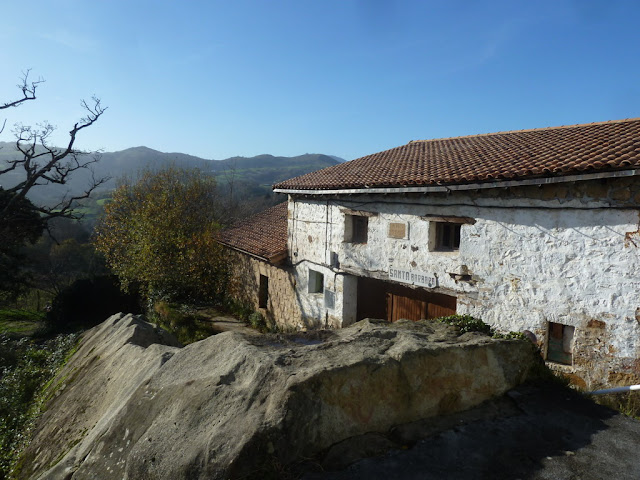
x: 532, y: 260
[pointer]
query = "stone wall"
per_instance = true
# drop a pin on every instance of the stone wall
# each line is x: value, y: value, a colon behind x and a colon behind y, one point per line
x: 282, y: 305
x: 561, y: 253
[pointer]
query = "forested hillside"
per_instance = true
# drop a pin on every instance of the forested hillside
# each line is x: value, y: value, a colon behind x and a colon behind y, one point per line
x: 247, y: 177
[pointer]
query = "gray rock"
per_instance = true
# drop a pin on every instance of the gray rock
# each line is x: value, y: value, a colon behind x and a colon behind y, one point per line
x: 133, y: 404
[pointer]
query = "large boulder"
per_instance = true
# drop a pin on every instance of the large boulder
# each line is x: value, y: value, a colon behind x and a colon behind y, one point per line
x: 135, y: 405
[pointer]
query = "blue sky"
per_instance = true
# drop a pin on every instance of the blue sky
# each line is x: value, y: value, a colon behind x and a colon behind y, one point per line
x: 341, y: 77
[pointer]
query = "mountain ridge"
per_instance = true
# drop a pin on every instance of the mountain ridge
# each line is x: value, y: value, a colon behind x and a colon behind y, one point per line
x: 256, y: 174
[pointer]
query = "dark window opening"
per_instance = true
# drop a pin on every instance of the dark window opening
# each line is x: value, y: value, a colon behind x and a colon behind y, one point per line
x: 316, y: 282
x: 447, y: 236
x: 263, y: 292
x: 560, y: 344
x: 356, y: 228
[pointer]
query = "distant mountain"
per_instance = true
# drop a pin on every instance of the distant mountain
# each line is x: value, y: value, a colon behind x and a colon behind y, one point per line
x: 252, y: 175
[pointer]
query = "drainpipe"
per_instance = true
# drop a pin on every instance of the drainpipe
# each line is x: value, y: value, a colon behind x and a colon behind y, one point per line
x: 614, y: 390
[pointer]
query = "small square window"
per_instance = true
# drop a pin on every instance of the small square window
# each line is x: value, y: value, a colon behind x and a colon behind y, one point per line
x: 447, y: 236
x: 560, y: 344
x: 263, y: 292
x: 316, y: 282
x: 356, y: 228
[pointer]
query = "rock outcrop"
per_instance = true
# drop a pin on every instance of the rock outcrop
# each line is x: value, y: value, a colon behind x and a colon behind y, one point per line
x: 133, y: 404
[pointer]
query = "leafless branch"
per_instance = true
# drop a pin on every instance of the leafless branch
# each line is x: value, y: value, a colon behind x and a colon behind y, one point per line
x: 28, y: 89
x: 42, y: 164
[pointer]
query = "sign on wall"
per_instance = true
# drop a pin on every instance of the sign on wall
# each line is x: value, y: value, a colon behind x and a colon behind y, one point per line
x: 398, y: 230
x: 413, y: 277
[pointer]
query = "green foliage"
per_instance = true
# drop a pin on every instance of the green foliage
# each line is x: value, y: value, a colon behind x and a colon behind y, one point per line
x: 19, y: 322
x: 19, y: 315
x: 25, y: 370
x: 626, y: 403
x: 183, y: 321
x: 160, y: 233
x: 20, y: 224
x: 257, y: 321
x: 510, y: 335
x: 466, y: 323
x: 237, y: 309
x: 88, y: 302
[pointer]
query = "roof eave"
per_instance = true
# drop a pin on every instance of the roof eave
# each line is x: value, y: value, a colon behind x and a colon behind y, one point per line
x: 463, y: 186
x: 274, y: 258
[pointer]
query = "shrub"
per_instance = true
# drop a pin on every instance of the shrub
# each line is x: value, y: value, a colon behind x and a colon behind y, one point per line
x: 466, y: 323
x: 626, y: 403
x: 182, y: 320
x: 22, y: 381
x: 257, y: 321
x: 510, y: 335
x: 88, y: 302
x: 237, y: 309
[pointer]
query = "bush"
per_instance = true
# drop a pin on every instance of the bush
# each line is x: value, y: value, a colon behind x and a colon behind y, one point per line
x: 626, y: 403
x: 88, y: 302
x: 237, y: 309
x: 510, y: 335
x: 182, y: 320
x: 466, y: 323
x: 22, y: 380
x: 257, y: 321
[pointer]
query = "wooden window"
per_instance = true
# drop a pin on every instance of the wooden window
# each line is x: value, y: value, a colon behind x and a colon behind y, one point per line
x: 263, y: 292
x: 447, y: 236
x: 560, y: 344
x: 356, y: 228
x: 316, y: 282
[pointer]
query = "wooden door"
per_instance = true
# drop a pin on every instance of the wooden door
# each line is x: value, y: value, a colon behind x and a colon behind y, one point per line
x: 399, y: 307
x: 442, y: 308
x: 378, y: 299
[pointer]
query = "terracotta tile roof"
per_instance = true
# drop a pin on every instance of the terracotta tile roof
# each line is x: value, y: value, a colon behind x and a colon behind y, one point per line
x: 517, y: 155
x: 263, y: 235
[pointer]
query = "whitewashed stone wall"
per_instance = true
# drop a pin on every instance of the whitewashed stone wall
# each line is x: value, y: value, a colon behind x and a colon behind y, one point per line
x: 558, y: 253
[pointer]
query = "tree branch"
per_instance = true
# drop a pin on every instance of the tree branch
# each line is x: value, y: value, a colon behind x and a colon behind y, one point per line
x: 43, y: 165
x: 28, y: 92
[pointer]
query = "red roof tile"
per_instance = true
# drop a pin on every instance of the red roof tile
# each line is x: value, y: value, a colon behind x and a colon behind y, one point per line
x: 517, y: 155
x: 263, y: 235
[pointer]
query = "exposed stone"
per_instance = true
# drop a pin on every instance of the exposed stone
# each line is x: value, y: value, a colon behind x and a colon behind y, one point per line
x: 223, y: 407
x: 621, y: 195
x: 596, y: 190
x: 244, y: 286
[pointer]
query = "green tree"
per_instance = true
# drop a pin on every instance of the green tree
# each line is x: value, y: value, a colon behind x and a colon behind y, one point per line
x: 20, y: 225
x: 159, y: 234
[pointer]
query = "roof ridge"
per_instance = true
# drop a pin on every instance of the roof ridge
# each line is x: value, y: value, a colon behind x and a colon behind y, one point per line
x: 560, y: 127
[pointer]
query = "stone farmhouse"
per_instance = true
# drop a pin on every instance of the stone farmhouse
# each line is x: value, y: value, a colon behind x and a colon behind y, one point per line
x: 533, y: 230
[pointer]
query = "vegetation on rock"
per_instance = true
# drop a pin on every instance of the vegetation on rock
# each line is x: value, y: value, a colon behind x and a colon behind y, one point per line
x: 187, y: 323
x: 25, y: 370
x: 466, y: 323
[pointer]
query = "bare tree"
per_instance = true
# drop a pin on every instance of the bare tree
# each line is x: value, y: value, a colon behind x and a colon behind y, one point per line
x: 37, y: 163
x: 28, y: 93
x: 42, y: 164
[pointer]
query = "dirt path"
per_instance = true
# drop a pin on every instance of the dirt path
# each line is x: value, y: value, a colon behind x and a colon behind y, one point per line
x: 224, y: 323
